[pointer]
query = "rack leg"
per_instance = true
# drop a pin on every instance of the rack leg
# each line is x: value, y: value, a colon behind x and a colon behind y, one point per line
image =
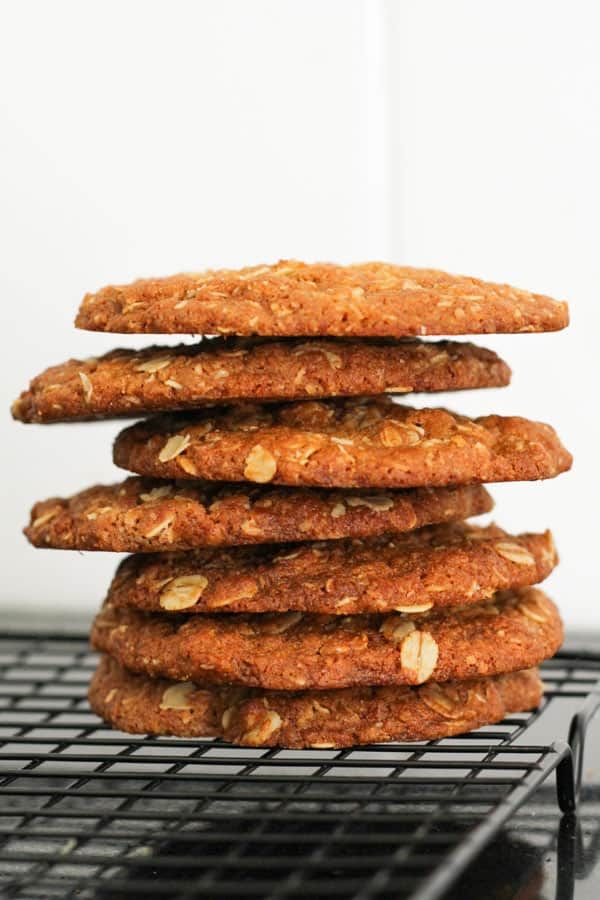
x: 569, y: 772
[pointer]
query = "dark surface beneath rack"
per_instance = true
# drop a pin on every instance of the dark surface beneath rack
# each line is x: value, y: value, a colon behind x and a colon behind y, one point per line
x: 88, y: 812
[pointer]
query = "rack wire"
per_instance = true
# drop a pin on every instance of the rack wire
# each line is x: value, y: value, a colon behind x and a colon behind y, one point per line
x: 89, y: 812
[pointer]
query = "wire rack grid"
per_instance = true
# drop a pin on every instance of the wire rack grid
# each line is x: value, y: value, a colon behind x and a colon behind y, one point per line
x: 88, y: 812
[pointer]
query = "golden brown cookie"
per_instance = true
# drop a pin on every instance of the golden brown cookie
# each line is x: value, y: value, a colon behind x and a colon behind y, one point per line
x: 147, y: 515
x: 439, y: 566
x: 292, y: 651
x: 319, y: 719
x: 133, y: 383
x: 358, y: 442
x: 294, y: 298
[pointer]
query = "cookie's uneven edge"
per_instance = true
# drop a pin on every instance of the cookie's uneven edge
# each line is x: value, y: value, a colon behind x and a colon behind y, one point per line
x: 437, y: 567
x: 136, y: 383
x: 146, y: 515
x: 317, y: 719
x: 287, y: 651
x: 356, y: 442
x: 295, y: 298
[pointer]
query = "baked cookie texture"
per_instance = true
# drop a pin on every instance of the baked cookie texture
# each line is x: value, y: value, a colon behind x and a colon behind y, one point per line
x: 290, y: 651
x: 319, y: 719
x: 302, y: 571
x: 148, y: 515
x: 435, y: 567
x: 295, y: 298
x: 135, y: 383
x: 357, y: 442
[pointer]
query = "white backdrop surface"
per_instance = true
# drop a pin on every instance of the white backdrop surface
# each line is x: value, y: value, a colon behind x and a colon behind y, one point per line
x: 142, y: 138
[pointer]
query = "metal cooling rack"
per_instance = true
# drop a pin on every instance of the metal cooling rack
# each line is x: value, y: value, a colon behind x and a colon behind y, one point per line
x: 539, y: 854
x: 88, y: 812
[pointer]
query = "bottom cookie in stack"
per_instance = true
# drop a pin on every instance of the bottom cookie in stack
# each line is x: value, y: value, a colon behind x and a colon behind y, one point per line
x: 331, y: 719
x: 293, y: 680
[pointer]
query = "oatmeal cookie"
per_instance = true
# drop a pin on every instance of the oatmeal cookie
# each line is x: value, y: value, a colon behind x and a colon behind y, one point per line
x: 434, y: 567
x: 323, y: 299
x: 356, y: 443
x: 135, y: 383
x: 149, y: 515
x: 291, y: 651
x: 318, y: 719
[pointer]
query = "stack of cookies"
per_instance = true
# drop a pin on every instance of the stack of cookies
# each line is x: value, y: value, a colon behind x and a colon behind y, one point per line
x: 303, y: 574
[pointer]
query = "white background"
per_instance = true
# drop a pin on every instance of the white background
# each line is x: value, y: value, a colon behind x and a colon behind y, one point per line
x: 145, y: 138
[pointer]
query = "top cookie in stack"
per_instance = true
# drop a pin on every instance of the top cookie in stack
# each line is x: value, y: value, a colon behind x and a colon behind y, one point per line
x: 294, y: 298
x: 279, y: 430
